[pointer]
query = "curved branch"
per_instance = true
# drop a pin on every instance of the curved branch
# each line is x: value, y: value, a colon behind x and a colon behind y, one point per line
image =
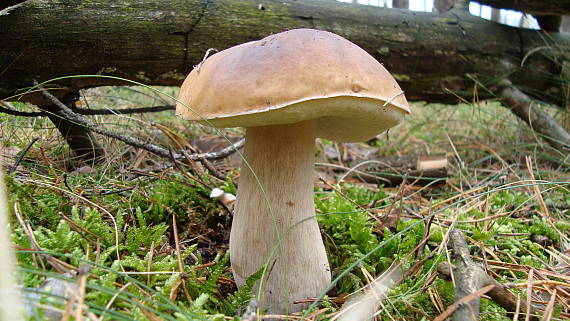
x: 525, y: 108
x: 90, y: 112
x: 70, y: 115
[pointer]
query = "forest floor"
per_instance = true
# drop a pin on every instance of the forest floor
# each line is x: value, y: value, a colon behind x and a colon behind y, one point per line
x: 108, y: 232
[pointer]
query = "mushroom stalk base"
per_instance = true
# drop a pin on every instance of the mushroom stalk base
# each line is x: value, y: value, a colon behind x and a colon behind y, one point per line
x: 282, y: 157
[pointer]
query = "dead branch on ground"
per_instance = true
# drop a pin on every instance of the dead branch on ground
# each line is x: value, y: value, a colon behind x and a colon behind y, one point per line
x: 469, y: 278
x: 80, y: 139
x: 10, y: 110
x: 526, y: 109
x: 71, y: 116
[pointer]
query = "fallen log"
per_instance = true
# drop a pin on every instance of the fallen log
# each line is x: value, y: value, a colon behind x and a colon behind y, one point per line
x: 544, y: 7
x: 435, y: 57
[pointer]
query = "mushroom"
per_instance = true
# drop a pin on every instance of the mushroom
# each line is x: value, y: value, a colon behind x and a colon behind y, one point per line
x: 286, y: 90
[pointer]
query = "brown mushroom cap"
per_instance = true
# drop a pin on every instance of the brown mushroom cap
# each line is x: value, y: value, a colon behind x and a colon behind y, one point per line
x: 294, y: 76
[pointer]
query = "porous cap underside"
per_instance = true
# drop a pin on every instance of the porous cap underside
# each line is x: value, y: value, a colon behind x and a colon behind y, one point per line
x: 294, y: 76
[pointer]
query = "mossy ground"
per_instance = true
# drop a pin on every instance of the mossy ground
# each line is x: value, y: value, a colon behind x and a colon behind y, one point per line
x: 117, y: 217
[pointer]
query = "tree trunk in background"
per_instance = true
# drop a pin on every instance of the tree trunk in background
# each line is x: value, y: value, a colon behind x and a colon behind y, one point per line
x: 496, y: 15
x: 443, y: 5
x: 434, y: 57
x: 566, y: 24
x: 403, y: 4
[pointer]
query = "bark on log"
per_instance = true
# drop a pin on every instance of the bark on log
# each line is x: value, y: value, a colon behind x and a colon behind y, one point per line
x: 433, y: 56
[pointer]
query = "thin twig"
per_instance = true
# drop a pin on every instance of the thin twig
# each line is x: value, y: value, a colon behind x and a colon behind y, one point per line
x: 179, y: 257
x: 80, y: 294
x: 108, y: 192
x: 33, y: 242
x: 149, y: 262
x: 471, y: 277
x: 529, y: 294
x: 135, y: 142
x: 13, y: 112
x: 427, y: 229
x: 22, y: 154
x: 70, y: 115
x: 549, y: 307
x: 113, y: 298
x: 140, y: 110
x: 464, y: 300
x: 222, y: 153
x: 213, y: 170
x: 89, y: 112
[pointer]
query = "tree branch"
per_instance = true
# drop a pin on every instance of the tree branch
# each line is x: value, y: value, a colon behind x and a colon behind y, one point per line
x: 525, y: 108
x: 88, y: 112
x: 10, y: 110
x: 470, y: 278
x: 135, y: 142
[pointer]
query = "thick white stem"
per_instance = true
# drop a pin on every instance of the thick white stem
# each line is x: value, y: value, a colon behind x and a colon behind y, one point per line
x: 282, y: 158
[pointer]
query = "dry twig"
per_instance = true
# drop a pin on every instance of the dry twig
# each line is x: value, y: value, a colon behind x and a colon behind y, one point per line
x: 470, y: 278
x: 8, y: 109
x: 179, y: 257
x: 135, y: 142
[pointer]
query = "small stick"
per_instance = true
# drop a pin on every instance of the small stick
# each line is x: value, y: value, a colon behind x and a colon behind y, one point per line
x: 463, y: 301
x: 80, y: 295
x: 213, y: 170
x: 525, y: 108
x: 518, y: 308
x: 529, y: 293
x: 28, y: 233
x: 22, y: 154
x: 550, y: 307
x: 179, y: 257
x: 427, y: 229
x: 149, y: 263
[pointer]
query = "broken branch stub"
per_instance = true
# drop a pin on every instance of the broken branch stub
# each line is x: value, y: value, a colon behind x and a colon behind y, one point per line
x: 470, y: 277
